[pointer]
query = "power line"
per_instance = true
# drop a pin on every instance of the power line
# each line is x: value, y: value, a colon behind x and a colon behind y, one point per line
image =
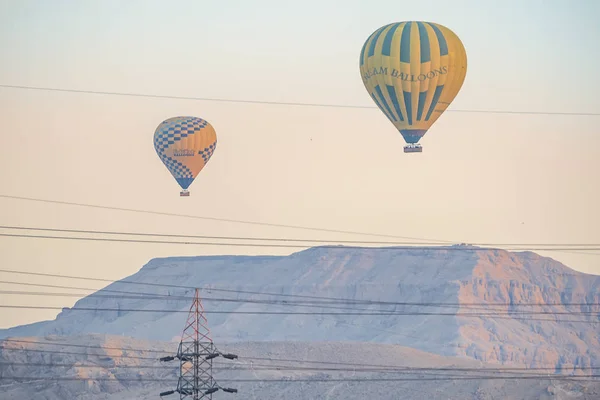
x: 74, y: 353
x: 320, y: 303
x: 182, y: 298
x: 434, y: 371
x: 338, y: 299
x: 350, y: 366
x: 79, y: 365
x: 495, y: 315
x: 276, y: 239
x: 570, y: 250
x: 353, y: 365
x: 280, y: 303
x: 171, y: 97
x: 262, y: 367
x: 276, y: 245
x: 266, y: 239
x: 150, y: 241
x: 83, y: 346
x: 271, y: 367
x: 319, y: 380
x: 217, y: 219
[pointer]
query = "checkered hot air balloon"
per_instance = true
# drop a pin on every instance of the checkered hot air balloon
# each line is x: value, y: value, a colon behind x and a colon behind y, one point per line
x: 184, y: 145
x: 413, y: 70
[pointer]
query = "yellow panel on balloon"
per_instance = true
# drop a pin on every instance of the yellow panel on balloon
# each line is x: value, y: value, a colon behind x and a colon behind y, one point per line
x: 413, y: 70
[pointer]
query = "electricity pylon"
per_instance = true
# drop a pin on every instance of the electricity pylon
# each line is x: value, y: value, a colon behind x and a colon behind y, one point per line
x: 195, y: 353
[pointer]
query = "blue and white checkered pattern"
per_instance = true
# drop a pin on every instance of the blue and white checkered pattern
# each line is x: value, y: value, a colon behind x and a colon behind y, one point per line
x: 172, y: 131
x: 208, y: 152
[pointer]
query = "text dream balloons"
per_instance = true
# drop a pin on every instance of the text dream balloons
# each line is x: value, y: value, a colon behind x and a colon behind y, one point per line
x: 413, y: 70
x: 184, y: 145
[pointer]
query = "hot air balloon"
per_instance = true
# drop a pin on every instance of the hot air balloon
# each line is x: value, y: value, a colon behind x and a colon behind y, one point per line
x: 184, y: 145
x: 413, y: 70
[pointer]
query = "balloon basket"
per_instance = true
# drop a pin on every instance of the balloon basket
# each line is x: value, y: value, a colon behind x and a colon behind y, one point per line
x: 413, y: 148
x: 184, y: 193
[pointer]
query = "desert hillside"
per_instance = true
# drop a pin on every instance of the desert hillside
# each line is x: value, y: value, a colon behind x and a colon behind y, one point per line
x: 98, y: 367
x: 494, y: 293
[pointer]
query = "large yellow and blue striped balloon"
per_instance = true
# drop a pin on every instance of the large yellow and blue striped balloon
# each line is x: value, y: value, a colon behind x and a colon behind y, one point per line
x: 413, y: 70
x: 184, y: 145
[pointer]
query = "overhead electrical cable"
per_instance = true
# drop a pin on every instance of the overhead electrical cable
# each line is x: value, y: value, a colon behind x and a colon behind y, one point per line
x: 237, y: 221
x: 275, y: 239
x: 277, y: 245
x: 279, y: 103
x: 237, y: 291
x: 350, y: 366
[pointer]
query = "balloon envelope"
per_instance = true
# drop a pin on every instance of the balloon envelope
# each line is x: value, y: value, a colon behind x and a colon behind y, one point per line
x: 413, y: 70
x: 184, y: 145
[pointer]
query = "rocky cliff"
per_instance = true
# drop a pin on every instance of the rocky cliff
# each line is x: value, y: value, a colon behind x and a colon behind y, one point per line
x: 502, y: 291
x: 97, y: 367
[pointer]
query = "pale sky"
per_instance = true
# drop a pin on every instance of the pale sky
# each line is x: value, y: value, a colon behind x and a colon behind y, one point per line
x: 493, y: 178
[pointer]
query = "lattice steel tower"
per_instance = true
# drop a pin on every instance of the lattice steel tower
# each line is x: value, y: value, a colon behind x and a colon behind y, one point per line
x: 195, y: 353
